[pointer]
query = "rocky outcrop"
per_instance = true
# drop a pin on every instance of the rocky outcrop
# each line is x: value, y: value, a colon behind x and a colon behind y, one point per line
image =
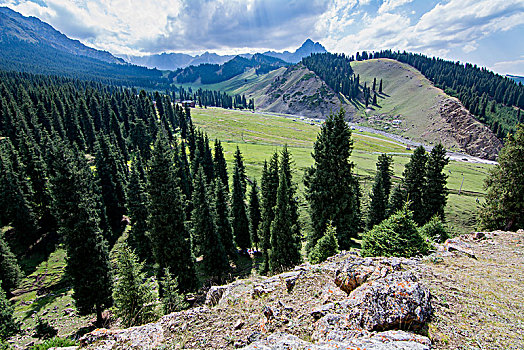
x: 474, y: 137
x: 348, y: 301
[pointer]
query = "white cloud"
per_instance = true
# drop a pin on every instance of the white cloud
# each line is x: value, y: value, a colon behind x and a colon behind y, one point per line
x: 390, y: 5
x: 455, y: 24
x: 515, y: 67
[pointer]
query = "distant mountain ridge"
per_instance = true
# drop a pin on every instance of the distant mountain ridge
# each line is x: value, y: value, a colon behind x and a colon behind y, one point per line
x: 173, y: 61
x: 34, y: 31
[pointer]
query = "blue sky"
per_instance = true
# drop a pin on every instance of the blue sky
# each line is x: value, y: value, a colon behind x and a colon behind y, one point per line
x: 485, y: 32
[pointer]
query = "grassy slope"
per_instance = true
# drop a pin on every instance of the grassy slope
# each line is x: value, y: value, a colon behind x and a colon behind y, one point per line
x: 258, y: 136
x: 407, y: 95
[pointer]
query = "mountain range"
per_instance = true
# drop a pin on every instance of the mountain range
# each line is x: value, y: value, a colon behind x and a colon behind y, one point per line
x: 173, y: 61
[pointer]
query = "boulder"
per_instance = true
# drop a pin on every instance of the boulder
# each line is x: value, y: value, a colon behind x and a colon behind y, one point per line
x: 214, y: 295
x: 356, y: 271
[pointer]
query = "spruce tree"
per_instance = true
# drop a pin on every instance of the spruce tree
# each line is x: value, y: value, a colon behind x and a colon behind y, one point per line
x: 504, y: 206
x: 134, y: 300
x: 172, y: 300
x: 380, y: 192
x: 254, y: 214
x: 380, y: 87
x: 170, y: 241
x: 240, y: 221
x: 397, y: 199
x: 204, y: 233
x: 326, y: 246
x: 414, y: 184
x: 435, y: 191
x: 239, y: 165
x: 10, y: 272
x: 137, y: 201
x: 112, y: 186
x: 332, y: 189
x: 75, y: 208
x: 269, y: 187
x: 221, y: 219
x: 285, y: 252
x: 220, y: 165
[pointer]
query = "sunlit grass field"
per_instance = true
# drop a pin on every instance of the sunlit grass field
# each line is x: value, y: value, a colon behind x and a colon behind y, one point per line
x: 259, y: 135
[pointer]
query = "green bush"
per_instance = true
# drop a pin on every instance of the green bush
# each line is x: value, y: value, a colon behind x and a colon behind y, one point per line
x: 326, y: 246
x: 54, y: 343
x: 8, y: 325
x: 435, y: 230
x: 396, y: 236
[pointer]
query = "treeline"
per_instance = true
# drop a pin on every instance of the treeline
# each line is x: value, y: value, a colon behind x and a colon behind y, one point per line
x: 487, y: 95
x: 336, y: 71
x: 212, y: 98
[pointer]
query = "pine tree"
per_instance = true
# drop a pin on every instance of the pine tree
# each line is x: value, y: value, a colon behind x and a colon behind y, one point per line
x: 285, y: 252
x: 326, y: 246
x: 380, y: 192
x: 269, y: 187
x: 220, y: 165
x: 380, y: 87
x: 435, y: 191
x: 254, y: 214
x: 172, y: 300
x: 332, y: 189
x: 374, y: 84
x: 87, y: 254
x: 10, y: 272
x: 204, y: 233
x: 134, y: 300
x: 397, y: 199
x: 239, y: 165
x: 221, y: 219
x: 137, y: 201
x: 414, y: 183
x: 112, y: 186
x: 375, y: 99
x: 240, y: 221
x: 170, y: 241
x: 504, y: 206
x: 8, y: 324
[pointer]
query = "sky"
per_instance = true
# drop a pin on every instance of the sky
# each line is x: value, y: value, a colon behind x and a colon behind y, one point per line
x: 488, y: 33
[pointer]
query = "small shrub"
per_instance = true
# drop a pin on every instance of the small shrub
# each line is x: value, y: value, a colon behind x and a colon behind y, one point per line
x: 398, y: 236
x: 44, y: 330
x: 326, y: 246
x: 55, y: 342
x: 435, y: 230
x: 8, y: 325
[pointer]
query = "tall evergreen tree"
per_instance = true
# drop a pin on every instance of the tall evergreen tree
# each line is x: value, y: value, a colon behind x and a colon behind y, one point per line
x: 380, y: 192
x: 254, y: 214
x: 269, y: 187
x: 137, y: 201
x: 221, y: 219
x: 397, y: 200
x: 239, y: 165
x: 332, y: 189
x: 240, y: 222
x: 414, y: 184
x: 10, y: 272
x: 87, y: 254
x: 204, y: 232
x: 435, y: 191
x: 220, y: 165
x: 380, y: 87
x: 285, y: 247
x: 112, y: 186
x: 504, y: 206
x: 170, y: 241
x: 134, y: 300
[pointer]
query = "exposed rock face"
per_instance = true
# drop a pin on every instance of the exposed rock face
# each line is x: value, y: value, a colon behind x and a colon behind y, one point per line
x: 475, y: 138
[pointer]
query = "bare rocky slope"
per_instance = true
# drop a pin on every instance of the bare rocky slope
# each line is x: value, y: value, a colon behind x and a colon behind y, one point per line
x: 467, y: 294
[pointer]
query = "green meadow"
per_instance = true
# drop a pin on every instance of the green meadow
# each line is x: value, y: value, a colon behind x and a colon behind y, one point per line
x: 258, y: 135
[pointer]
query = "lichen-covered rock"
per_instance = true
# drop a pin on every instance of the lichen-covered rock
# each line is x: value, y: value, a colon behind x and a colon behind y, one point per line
x: 214, y: 295
x: 396, y: 301
x: 390, y: 340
